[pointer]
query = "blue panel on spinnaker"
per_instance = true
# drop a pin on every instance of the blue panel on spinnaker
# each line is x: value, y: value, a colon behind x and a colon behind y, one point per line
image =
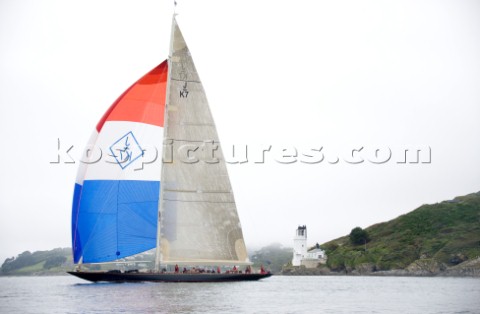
x: 76, y: 244
x: 115, y: 219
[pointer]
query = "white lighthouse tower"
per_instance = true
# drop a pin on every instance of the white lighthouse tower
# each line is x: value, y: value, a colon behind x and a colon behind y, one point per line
x: 299, y: 245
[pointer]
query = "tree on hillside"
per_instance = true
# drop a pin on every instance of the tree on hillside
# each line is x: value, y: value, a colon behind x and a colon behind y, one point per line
x: 24, y: 259
x: 359, y: 236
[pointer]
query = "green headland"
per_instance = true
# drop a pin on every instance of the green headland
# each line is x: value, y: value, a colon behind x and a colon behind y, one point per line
x: 435, y: 239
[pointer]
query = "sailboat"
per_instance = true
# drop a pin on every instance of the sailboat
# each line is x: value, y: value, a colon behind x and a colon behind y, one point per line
x: 180, y: 204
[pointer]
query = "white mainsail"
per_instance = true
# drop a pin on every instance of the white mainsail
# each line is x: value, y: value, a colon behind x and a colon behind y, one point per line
x: 198, y: 220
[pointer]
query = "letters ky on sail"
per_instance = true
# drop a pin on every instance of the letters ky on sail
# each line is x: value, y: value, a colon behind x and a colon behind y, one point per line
x: 115, y: 204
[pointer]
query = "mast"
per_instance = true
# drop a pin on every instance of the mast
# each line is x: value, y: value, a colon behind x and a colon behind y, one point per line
x: 158, y: 255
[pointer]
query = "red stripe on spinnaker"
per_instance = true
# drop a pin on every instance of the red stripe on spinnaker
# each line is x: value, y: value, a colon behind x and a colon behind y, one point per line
x: 143, y: 102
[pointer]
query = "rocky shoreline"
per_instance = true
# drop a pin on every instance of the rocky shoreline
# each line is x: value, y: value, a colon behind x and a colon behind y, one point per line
x: 419, y: 268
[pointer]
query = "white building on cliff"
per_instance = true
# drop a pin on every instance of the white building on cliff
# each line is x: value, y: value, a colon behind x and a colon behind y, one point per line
x: 301, y: 256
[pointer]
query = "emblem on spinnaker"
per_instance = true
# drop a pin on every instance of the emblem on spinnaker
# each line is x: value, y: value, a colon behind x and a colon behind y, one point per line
x: 126, y: 150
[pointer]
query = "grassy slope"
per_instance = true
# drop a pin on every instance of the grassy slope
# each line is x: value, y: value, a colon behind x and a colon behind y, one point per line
x: 29, y: 269
x: 37, y: 268
x: 446, y: 232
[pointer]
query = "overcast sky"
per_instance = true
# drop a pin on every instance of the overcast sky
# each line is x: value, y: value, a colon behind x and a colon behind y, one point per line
x: 341, y: 75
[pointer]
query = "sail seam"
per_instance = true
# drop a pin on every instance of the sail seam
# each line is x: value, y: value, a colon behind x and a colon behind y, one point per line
x: 196, y: 191
x: 213, y: 202
x: 192, y: 141
x: 188, y: 81
x: 199, y: 124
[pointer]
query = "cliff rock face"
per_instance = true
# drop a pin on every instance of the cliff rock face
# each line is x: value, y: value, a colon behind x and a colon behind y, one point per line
x: 365, y: 268
x: 467, y: 268
x: 425, y: 267
x: 303, y: 271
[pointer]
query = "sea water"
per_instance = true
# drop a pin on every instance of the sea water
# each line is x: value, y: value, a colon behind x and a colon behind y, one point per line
x: 278, y: 294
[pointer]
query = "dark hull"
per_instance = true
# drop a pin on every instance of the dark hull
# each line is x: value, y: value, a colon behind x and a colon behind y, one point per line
x: 166, y: 277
